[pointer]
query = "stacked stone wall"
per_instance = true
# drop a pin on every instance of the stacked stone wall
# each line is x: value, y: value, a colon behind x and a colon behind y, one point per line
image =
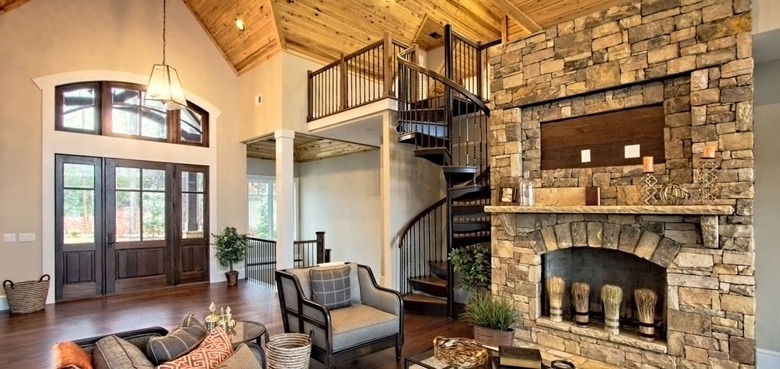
x: 694, y: 56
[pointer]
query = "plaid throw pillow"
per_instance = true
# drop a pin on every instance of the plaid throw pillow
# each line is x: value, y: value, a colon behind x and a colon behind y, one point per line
x: 178, y: 342
x: 330, y: 287
x: 214, y: 349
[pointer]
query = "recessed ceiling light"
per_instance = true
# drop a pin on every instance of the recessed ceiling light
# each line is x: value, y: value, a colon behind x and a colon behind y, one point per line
x: 240, y: 25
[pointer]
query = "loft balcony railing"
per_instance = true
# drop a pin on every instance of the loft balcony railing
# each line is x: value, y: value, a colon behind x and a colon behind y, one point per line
x: 354, y: 80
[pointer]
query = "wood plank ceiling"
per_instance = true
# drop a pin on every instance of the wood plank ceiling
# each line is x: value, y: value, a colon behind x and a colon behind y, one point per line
x: 324, y: 29
x: 306, y: 148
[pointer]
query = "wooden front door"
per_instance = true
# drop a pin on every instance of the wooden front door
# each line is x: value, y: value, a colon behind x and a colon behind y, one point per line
x: 138, y: 216
x: 128, y: 225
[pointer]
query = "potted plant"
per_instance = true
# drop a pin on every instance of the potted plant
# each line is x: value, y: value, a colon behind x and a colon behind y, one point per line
x: 493, y: 318
x: 473, y: 264
x: 231, y: 248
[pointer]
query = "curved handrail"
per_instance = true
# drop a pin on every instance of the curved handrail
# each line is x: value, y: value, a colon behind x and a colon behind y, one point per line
x: 401, y: 235
x: 452, y: 84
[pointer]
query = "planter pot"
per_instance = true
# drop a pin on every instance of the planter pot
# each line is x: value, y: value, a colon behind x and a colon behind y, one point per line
x: 232, y: 278
x: 493, y: 337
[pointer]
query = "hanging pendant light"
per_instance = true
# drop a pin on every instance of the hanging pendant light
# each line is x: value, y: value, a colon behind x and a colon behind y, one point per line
x: 164, y: 85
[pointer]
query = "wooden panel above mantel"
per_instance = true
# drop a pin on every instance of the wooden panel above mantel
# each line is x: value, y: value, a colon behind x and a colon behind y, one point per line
x: 617, y: 209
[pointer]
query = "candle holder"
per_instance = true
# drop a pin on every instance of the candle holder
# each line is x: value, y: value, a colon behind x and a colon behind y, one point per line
x: 706, y: 179
x: 648, y: 187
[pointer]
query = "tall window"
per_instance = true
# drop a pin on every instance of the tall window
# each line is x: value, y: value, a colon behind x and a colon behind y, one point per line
x: 119, y: 109
x: 262, y: 207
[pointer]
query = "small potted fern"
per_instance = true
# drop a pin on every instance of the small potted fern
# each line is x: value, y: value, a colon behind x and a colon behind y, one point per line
x: 231, y: 248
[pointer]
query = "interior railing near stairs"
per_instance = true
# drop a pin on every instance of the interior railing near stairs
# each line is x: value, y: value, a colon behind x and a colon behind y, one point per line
x: 357, y: 79
x: 422, y: 240
x: 260, y: 261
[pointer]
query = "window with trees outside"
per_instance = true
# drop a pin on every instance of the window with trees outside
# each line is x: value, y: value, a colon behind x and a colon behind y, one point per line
x: 262, y: 208
x: 120, y: 109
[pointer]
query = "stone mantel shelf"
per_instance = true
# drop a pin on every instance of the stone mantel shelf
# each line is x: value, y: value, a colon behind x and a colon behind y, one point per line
x: 616, y: 209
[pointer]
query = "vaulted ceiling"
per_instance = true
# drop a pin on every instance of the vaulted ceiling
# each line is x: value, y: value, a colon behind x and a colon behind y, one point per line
x: 324, y: 29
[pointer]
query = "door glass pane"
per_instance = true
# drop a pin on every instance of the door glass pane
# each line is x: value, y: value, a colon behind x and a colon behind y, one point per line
x: 154, y: 216
x: 191, y: 126
x: 192, y: 215
x: 128, y: 216
x: 261, y: 215
x: 79, y: 109
x: 154, y: 179
x: 128, y: 178
x: 79, y: 216
x: 78, y: 175
x: 192, y: 181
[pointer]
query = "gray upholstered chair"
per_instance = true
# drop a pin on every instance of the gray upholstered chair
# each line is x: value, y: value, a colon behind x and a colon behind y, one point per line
x: 374, y: 321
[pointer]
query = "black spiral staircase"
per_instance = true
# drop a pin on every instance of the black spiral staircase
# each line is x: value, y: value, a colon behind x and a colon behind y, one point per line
x: 448, y: 124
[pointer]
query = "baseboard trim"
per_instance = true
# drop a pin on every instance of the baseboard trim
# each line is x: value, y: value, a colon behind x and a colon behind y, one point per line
x: 3, y: 303
x: 767, y: 359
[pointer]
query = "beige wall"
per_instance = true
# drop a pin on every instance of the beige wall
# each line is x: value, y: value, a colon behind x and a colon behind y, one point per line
x: 282, y: 82
x: 767, y: 227
x: 766, y: 15
x: 46, y: 37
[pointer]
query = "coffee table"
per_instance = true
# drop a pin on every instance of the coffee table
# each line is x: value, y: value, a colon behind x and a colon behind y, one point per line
x: 246, y: 331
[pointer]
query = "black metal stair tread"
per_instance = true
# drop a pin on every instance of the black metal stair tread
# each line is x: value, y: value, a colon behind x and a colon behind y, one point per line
x: 465, y: 169
x: 471, y: 221
x: 431, y: 280
x: 422, y: 139
x: 416, y: 297
x: 468, y: 209
x: 470, y: 192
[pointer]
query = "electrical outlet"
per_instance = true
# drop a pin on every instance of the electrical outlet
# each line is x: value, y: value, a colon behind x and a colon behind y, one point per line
x: 9, y: 237
x: 26, y: 237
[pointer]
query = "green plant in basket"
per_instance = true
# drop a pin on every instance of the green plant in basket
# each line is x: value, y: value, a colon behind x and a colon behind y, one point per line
x: 473, y: 264
x: 488, y: 311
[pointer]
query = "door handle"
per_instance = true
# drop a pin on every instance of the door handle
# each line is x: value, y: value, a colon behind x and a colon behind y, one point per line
x: 110, y: 240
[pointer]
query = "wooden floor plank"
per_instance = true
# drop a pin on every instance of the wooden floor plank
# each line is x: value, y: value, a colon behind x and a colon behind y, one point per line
x: 26, y: 339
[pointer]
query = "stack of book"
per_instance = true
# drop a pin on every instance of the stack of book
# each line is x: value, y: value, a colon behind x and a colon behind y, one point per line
x: 510, y: 357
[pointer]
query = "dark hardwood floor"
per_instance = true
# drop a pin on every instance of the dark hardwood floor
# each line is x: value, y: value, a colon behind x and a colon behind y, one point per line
x: 26, y: 339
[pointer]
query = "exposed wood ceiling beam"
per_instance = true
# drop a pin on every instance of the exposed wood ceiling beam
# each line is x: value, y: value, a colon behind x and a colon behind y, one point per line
x: 518, y: 16
x: 279, y: 33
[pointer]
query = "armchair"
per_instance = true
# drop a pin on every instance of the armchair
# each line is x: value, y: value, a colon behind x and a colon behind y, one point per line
x: 373, y: 322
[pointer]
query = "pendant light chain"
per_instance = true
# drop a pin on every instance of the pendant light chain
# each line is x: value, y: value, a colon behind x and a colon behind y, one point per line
x: 164, y: 18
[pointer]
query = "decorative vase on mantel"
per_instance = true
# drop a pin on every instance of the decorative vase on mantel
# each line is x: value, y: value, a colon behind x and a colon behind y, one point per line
x: 493, y: 337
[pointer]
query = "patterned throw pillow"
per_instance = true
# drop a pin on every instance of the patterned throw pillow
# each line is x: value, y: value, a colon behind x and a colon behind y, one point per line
x: 331, y: 287
x: 178, y: 342
x: 215, y: 349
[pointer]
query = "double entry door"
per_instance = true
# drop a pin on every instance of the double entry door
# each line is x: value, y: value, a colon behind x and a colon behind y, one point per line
x: 128, y: 225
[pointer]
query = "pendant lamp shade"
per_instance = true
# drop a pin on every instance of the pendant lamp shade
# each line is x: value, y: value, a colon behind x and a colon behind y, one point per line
x: 164, y: 86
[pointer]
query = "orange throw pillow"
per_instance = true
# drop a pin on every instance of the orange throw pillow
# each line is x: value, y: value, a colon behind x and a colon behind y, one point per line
x: 214, y: 349
x: 69, y: 355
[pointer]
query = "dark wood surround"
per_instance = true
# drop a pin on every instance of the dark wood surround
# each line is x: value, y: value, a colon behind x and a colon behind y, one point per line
x: 605, y: 135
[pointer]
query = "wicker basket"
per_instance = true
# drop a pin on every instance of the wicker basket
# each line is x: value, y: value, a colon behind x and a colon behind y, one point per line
x: 27, y: 296
x: 288, y: 351
x: 460, y: 352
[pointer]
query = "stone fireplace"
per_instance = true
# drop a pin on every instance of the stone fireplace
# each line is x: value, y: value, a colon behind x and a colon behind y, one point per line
x: 694, y: 58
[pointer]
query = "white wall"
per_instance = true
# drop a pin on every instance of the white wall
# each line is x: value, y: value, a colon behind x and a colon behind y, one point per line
x: 767, y: 203
x: 766, y: 15
x: 49, y: 37
x: 261, y: 167
x: 341, y: 197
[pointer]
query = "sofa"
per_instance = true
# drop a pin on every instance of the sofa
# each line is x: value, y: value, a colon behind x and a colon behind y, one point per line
x: 356, y: 318
x: 136, y: 349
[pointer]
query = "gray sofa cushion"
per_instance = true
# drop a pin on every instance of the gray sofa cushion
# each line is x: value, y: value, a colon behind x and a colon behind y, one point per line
x: 305, y: 281
x: 330, y: 286
x: 178, y: 342
x: 359, y: 324
x: 112, y: 352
